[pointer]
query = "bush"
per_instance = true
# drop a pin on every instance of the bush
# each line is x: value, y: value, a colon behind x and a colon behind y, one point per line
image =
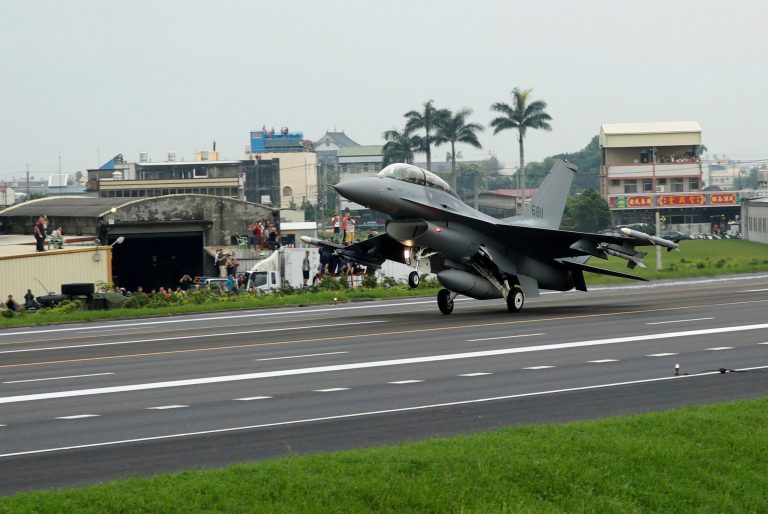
x: 137, y: 301
x: 369, y: 282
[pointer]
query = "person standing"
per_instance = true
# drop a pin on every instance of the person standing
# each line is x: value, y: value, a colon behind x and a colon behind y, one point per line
x: 40, y: 234
x: 305, y: 267
x: 221, y: 262
x: 336, y: 222
x: 344, y: 225
x: 350, y: 230
x: 29, y: 301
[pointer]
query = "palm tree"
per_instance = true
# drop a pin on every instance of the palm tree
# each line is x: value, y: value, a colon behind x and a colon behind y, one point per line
x: 521, y: 116
x: 454, y: 129
x: 429, y: 119
x: 399, y: 147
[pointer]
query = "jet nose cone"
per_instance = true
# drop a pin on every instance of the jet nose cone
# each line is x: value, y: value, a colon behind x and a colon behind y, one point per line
x: 357, y: 190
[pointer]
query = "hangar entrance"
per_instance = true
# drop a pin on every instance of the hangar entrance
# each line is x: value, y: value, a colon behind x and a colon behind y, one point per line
x: 156, y: 260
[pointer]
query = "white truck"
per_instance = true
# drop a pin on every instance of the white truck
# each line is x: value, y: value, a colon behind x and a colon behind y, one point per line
x: 265, y: 274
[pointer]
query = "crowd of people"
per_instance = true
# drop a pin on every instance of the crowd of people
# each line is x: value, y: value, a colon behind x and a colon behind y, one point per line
x: 261, y: 235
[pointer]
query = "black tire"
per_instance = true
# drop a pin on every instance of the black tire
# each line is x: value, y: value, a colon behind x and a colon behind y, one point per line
x: 444, y: 301
x: 413, y: 279
x: 515, y: 300
x: 77, y: 289
x: 51, y: 299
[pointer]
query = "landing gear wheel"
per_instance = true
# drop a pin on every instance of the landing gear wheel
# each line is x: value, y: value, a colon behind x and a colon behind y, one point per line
x: 515, y: 300
x: 413, y: 279
x: 444, y: 301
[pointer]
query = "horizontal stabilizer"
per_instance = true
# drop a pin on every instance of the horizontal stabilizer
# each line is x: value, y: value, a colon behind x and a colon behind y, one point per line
x: 600, y: 271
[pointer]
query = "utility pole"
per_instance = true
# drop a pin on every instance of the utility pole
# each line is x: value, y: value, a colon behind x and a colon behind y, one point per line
x: 27, y: 181
x: 658, y: 248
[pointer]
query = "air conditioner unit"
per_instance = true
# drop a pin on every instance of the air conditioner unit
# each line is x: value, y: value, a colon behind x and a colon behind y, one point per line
x: 659, y: 189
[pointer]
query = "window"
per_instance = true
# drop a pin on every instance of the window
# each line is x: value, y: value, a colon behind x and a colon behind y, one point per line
x: 693, y: 184
x: 647, y: 185
x: 615, y: 182
x: 661, y: 181
x: 630, y: 186
x: 287, y: 191
x: 677, y: 185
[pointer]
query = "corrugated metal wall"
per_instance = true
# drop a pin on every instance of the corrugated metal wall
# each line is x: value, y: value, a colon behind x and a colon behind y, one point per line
x: 52, y: 268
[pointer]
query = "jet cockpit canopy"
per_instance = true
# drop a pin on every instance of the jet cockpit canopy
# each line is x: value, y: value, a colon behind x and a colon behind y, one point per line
x: 415, y: 175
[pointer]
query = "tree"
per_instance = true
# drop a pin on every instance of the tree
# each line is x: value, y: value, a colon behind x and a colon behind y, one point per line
x: 429, y: 119
x: 399, y: 147
x: 586, y: 212
x: 521, y: 116
x: 587, y: 159
x: 455, y: 129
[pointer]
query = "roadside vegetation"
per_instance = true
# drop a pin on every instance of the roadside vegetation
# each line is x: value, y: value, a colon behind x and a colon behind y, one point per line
x: 695, y: 258
x: 694, y: 459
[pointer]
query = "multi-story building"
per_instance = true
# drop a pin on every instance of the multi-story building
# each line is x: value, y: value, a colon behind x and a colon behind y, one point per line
x: 647, y: 168
x: 256, y: 181
x: 296, y: 160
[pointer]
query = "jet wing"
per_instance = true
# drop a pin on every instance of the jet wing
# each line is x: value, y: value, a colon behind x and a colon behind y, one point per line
x: 369, y: 252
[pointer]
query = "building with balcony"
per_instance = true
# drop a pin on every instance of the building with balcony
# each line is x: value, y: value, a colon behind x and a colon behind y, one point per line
x: 256, y: 181
x: 647, y: 168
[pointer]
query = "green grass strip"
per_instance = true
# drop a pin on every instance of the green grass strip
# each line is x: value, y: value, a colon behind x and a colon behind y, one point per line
x: 710, y: 459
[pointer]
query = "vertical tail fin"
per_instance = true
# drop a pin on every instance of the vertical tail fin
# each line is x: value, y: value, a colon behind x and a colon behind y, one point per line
x: 546, y: 207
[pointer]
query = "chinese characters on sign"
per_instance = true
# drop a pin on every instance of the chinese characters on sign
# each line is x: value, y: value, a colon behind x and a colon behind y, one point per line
x: 679, y: 200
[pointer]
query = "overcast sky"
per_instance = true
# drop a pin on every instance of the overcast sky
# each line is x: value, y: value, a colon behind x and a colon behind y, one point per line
x: 87, y: 79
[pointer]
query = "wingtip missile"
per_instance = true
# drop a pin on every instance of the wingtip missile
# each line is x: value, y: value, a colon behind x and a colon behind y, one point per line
x: 642, y: 236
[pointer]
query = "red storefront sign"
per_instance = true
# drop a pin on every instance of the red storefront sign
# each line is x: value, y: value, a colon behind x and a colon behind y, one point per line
x: 639, y: 201
x: 679, y: 200
x: 722, y: 198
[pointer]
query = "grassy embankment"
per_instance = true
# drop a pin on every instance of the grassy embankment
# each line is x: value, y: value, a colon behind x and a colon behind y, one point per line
x: 695, y: 258
x: 696, y: 459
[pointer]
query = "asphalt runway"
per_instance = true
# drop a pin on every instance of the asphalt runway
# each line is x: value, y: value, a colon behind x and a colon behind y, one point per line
x: 85, y: 403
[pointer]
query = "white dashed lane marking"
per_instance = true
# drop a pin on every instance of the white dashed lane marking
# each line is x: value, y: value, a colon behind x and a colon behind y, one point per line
x: 79, y: 416
x: 661, y: 355
x: 677, y: 321
x: 475, y: 374
x: 539, y: 367
x: 332, y: 390
x: 300, y: 356
x: 252, y: 398
x: 401, y: 382
x: 504, y: 337
x: 166, y: 407
x: 601, y: 361
x: 718, y: 348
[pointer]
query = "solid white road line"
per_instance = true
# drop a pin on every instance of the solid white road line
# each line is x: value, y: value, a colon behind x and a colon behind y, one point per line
x: 198, y: 336
x: 475, y: 374
x: 166, y: 407
x: 718, y: 348
x: 753, y: 290
x: 504, y: 337
x: 252, y: 398
x: 661, y: 355
x: 601, y: 361
x: 300, y: 356
x: 79, y: 416
x: 676, y: 321
x: 332, y: 390
x: 268, y: 314
x: 539, y: 367
x: 56, y: 378
x: 363, y: 414
x: 401, y: 382
x: 375, y: 364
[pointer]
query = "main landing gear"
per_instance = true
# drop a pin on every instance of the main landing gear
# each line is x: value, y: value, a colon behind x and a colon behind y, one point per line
x: 445, y: 301
x: 413, y: 279
x: 515, y: 300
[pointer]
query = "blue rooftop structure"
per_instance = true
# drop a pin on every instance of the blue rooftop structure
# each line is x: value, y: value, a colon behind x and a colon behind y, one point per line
x: 110, y: 164
x: 271, y: 141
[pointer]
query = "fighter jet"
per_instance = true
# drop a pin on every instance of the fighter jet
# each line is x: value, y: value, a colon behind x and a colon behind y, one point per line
x: 474, y: 254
